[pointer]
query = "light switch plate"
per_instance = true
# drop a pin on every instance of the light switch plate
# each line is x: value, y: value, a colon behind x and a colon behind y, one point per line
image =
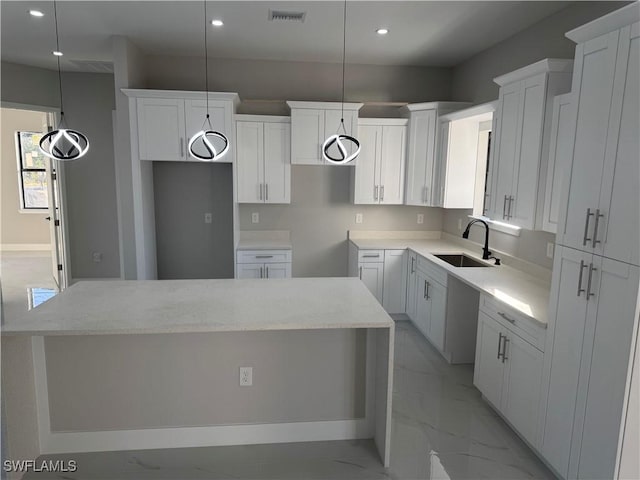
x: 549, y: 250
x: 358, y: 218
x: 208, y: 218
x: 255, y: 217
x: 420, y: 218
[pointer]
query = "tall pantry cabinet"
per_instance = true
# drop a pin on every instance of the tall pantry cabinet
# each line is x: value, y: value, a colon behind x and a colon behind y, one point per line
x: 596, y: 271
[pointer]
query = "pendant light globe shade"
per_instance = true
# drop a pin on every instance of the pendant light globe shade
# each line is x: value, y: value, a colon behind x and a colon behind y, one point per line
x: 64, y: 144
x: 335, y: 149
x: 208, y: 145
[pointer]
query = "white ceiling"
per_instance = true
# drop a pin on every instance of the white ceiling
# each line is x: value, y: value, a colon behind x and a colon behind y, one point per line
x: 434, y: 33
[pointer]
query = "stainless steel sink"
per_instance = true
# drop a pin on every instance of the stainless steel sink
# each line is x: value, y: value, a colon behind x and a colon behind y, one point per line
x: 461, y: 260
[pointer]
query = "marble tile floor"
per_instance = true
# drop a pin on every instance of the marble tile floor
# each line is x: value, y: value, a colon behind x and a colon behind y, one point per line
x: 442, y: 429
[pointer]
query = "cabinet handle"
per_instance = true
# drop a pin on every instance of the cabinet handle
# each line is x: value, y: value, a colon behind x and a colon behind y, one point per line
x: 413, y: 266
x: 266, y: 191
x: 371, y: 255
x: 181, y: 147
x: 360, y: 273
x: 267, y: 269
x: 582, y: 267
x: 426, y: 290
x: 504, y: 315
x: 261, y: 186
x: 586, y: 228
x: 264, y: 256
x: 499, y: 344
x: 261, y: 273
x: 509, y: 215
x: 382, y: 193
x: 595, y: 228
x: 504, y: 349
x: 375, y: 192
x: 504, y: 208
x: 591, y: 270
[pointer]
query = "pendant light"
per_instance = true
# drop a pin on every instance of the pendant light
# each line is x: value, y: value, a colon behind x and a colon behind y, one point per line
x: 63, y: 143
x: 338, y: 140
x: 207, y: 144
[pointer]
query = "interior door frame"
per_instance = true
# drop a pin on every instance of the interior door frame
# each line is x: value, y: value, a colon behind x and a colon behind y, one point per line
x: 53, y: 115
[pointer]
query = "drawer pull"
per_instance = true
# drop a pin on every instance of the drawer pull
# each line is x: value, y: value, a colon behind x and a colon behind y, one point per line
x: 504, y: 315
x: 264, y: 256
x: 377, y: 255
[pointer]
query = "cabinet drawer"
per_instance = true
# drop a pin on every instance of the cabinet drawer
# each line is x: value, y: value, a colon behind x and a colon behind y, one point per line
x: 432, y: 270
x: 370, y: 256
x: 514, y: 321
x: 264, y: 256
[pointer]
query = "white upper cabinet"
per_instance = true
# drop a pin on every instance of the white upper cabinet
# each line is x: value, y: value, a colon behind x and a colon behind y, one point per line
x: 313, y: 122
x: 423, y: 135
x: 522, y: 138
x: 263, y: 160
x: 378, y: 176
x: 163, y: 121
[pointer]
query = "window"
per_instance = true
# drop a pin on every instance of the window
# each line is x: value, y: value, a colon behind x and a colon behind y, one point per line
x: 32, y: 176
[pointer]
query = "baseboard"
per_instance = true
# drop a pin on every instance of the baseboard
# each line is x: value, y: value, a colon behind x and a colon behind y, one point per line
x: 25, y: 247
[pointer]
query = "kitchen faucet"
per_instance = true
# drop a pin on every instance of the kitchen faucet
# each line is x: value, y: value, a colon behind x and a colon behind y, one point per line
x: 486, y: 254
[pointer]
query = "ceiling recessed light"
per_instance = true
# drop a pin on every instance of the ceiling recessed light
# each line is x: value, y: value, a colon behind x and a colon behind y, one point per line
x: 217, y: 23
x: 57, y: 53
x: 382, y: 31
x: 36, y: 13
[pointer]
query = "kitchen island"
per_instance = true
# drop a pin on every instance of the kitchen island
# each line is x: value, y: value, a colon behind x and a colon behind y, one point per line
x: 155, y: 364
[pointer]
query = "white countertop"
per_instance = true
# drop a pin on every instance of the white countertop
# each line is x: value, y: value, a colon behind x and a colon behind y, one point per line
x: 521, y: 291
x: 168, y: 306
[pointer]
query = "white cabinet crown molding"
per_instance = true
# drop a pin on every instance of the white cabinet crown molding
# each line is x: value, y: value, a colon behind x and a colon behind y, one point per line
x: 612, y: 21
x: 557, y: 65
x: 184, y: 94
x: 325, y: 105
x: 383, y: 121
x: 476, y: 110
x: 413, y: 107
x: 262, y: 118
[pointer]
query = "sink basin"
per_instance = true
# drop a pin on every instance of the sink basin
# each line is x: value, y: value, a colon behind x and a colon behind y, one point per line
x: 461, y: 260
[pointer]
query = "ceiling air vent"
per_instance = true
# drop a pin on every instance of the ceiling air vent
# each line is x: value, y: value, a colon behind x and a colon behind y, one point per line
x: 279, y: 15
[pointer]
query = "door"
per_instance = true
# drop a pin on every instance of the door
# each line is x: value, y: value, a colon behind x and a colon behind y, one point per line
x: 277, y: 270
x: 422, y: 132
x: 509, y: 126
x: 250, y: 162
x: 527, y: 160
x: 592, y: 87
x: 437, y: 298
x: 366, y: 188
x: 307, y: 136
x: 392, y: 164
x: 423, y: 307
x: 277, y: 162
x: 521, y: 391
x: 488, y: 372
x: 395, y: 281
x: 161, y: 129
x: 250, y: 270
x: 372, y: 274
x: 411, y: 286
x: 220, y: 117
x: 568, y: 309
x: 620, y: 237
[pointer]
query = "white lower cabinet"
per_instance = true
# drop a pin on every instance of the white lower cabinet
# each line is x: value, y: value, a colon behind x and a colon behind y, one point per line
x: 372, y: 274
x: 508, y: 372
x: 412, y: 283
x: 431, y: 309
x: 394, y: 299
x: 263, y: 264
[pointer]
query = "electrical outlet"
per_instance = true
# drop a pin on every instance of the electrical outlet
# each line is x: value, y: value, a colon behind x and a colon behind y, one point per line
x: 459, y: 224
x: 358, y: 218
x: 208, y: 218
x: 97, y: 257
x: 421, y: 218
x: 255, y: 217
x: 246, y: 376
x: 549, y: 250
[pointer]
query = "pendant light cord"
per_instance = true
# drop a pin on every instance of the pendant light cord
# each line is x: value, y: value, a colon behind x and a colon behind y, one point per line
x: 344, y: 50
x: 206, y: 63
x: 55, y: 17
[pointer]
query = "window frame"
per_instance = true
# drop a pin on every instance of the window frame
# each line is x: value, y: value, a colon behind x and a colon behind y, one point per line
x: 22, y: 169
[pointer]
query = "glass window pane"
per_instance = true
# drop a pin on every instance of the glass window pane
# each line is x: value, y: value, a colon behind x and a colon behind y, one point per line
x: 34, y: 189
x: 32, y: 157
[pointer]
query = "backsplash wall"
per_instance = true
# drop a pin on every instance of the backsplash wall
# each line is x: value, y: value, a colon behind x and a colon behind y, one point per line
x: 321, y: 213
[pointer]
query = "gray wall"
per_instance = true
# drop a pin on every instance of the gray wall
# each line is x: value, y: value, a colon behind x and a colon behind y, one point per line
x: 320, y: 214
x: 473, y: 82
x: 192, y: 379
x: 16, y: 227
x: 186, y: 246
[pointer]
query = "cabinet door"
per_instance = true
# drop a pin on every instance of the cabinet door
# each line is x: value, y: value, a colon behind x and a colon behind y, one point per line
x: 559, y: 160
x: 610, y: 319
x: 521, y: 391
x: 277, y: 162
x: 412, y: 283
x: 366, y: 188
x: 507, y: 142
x: 307, y: 136
x: 332, y: 126
x: 527, y: 162
x: 277, y: 270
x: 488, y: 372
x: 161, y: 129
x: 422, y: 133
x: 620, y: 193
x: 249, y: 270
x: 437, y: 298
x: 395, y: 281
x: 592, y: 87
x: 372, y: 274
x: 220, y: 116
x: 423, y: 307
x: 250, y: 162
x: 392, y: 165
x: 568, y: 307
